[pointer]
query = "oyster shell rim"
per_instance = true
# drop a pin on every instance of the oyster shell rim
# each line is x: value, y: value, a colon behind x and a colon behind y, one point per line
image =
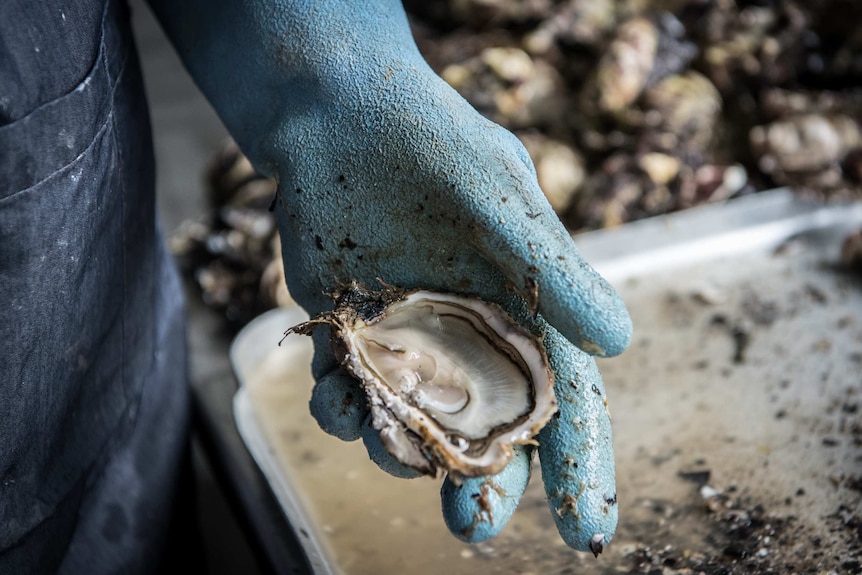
x: 433, y: 450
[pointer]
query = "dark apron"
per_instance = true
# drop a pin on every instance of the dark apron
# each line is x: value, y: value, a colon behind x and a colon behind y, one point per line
x: 93, y: 391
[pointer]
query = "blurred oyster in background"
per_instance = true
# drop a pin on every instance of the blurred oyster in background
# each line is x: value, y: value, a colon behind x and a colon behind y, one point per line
x: 507, y: 86
x: 626, y: 65
x: 682, y: 112
x: 559, y: 168
x: 233, y: 253
x: 660, y: 168
x: 806, y: 150
x: 576, y: 22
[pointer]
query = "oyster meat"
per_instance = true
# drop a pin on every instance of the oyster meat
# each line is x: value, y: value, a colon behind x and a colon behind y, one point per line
x: 452, y: 382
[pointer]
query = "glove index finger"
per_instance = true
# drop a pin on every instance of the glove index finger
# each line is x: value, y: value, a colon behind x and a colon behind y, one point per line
x: 576, y: 451
x: 525, y: 239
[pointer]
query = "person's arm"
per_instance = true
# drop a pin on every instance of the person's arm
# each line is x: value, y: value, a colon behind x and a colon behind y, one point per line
x: 386, y: 172
x: 259, y: 62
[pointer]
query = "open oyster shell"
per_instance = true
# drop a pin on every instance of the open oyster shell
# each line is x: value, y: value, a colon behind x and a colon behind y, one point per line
x: 452, y: 382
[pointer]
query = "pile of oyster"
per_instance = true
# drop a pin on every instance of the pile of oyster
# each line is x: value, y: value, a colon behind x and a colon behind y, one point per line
x: 632, y: 108
x: 452, y: 382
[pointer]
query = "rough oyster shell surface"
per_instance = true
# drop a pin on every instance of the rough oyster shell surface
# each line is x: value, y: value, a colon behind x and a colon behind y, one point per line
x: 452, y: 382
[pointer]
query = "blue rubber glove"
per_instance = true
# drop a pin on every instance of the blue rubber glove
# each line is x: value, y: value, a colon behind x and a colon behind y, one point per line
x: 386, y: 172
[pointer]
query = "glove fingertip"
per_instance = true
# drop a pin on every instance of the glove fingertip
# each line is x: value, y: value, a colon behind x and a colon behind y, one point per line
x: 538, y: 256
x: 478, y: 508
x: 586, y: 309
x: 577, y: 457
x: 338, y: 405
x: 579, y: 524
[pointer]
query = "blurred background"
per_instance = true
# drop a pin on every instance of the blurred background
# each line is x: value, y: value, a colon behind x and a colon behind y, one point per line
x: 629, y: 109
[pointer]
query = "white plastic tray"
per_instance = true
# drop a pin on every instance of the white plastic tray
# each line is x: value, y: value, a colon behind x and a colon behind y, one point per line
x: 742, y: 359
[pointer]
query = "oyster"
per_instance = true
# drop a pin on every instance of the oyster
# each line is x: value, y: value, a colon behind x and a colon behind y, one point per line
x: 452, y: 382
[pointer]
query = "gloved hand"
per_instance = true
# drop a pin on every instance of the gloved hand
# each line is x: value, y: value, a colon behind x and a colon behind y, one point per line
x: 385, y: 172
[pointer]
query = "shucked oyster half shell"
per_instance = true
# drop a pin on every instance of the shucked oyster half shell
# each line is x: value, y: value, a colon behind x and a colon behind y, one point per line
x: 452, y: 382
